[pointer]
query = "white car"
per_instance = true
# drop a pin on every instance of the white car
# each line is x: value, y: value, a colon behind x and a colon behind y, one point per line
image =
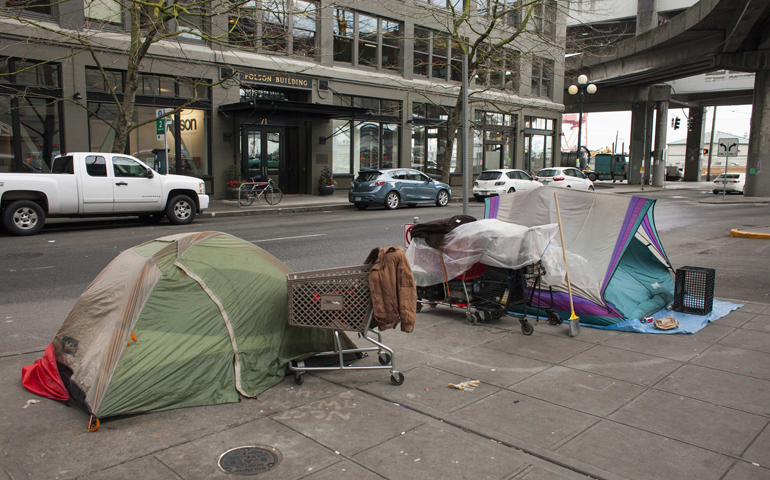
x: 564, y: 177
x: 734, y: 183
x: 498, y: 182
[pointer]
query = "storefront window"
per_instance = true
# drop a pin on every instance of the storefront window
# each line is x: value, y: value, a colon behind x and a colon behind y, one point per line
x: 341, y: 147
x: 144, y: 143
x: 194, y: 142
x: 478, y: 151
x: 101, y: 135
x: 6, y: 135
x: 429, y: 136
x: 389, y: 146
x: 39, y: 120
x: 418, y: 147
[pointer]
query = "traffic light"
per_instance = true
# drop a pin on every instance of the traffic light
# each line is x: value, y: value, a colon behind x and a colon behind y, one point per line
x: 675, y: 123
x: 690, y: 124
x: 705, y: 151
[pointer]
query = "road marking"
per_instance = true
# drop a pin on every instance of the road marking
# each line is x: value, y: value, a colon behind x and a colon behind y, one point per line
x: 288, y: 238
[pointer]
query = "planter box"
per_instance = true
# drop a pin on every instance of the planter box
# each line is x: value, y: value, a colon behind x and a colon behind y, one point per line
x: 325, y: 190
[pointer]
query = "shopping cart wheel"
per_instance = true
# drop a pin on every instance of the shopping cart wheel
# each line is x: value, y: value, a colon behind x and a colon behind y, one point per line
x: 384, y: 358
x: 433, y: 304
x: 470, y: 318
x: 397, y: 378
x: 497, y: 314
x: 554, y: 318
x: 419, y: 307
x: 527, y: 328
x: 299, y: 378
x: 483, y: 316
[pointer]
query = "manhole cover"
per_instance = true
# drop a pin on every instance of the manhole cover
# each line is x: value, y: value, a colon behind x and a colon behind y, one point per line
x: 249, y: 460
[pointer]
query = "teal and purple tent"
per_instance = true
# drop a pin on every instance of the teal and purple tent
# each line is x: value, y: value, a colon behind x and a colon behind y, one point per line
x: 618, y: 268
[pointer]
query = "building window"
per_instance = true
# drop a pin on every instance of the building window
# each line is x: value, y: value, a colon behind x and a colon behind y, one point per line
x: 187, y: 132
x: 30, y: 126
x: 500, y: 69
x: 542, y: 77
x: 436, y: 55
x: 538, y: 143
x: 191, y: 23
x: 544, y: 18
x: 429, y: 139
x: 35, y: 6
x: 421, y: 65
x: 369, y: 144
x: 494, y: 141
x: 376, y: 42
x: 108, y: 11
x: 276, y: 26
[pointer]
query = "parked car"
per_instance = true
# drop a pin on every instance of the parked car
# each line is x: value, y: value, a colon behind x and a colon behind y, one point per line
x: 735, y: 182
x: 565, y: 177
x: 674, y: 173
x: 392, y: 187
x: 498, y: 182
x: 97, y: 184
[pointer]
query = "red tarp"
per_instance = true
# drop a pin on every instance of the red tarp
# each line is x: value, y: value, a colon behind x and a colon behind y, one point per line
x: 42, y: 378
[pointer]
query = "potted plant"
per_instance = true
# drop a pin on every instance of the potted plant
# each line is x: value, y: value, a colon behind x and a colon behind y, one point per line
x: 326, y: 182
x: 233, y: 176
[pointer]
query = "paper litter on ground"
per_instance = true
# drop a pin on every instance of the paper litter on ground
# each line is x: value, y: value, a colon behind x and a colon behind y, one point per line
x: 469, y: 385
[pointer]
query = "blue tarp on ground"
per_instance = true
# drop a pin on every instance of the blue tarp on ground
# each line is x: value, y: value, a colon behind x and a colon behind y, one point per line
x: 688, y: 323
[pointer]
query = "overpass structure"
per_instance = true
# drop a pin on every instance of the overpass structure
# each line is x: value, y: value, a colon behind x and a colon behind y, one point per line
x: 711, y: 35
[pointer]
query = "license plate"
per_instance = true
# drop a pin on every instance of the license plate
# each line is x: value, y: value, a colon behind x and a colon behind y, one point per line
x: 357, y: 199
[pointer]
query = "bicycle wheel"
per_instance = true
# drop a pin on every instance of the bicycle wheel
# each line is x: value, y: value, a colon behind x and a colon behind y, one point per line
x: 246, y: 197
x: 273, y: 195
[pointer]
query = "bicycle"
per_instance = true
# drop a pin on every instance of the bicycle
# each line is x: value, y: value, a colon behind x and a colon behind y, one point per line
x: 255, y: 190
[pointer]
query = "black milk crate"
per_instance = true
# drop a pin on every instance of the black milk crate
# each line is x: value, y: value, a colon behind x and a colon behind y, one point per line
x: 431, y: 293
x: 694, y: 290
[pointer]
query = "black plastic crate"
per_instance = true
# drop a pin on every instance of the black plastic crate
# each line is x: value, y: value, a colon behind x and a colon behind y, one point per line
x: 694, y: 290
x: 431, y: 292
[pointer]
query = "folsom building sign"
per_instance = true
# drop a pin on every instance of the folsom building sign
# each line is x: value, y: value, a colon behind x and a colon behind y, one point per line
x: 277, y: 79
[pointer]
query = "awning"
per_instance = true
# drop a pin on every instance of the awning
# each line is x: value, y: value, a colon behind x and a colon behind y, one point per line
x: 260, y: 107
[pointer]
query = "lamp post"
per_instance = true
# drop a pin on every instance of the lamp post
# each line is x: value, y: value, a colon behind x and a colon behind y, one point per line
x: 580, y: 90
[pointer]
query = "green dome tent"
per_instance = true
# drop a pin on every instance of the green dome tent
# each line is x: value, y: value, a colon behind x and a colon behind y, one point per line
x: 184, y: 320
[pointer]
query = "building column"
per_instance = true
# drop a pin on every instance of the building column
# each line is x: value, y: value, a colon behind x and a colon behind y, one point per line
x: 659, y: 163
x: 694, y: 145
x: 636, y: 147
x: 646, y: 15
x: 758, y: 161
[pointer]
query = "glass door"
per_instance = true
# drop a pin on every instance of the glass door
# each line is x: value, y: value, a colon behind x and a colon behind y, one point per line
x: 262, y: 154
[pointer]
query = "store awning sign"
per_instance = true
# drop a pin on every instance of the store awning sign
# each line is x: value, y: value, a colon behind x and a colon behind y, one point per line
x: 276, y: 79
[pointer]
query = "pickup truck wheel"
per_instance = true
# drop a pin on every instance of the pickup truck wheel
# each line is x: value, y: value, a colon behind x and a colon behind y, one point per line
x: 23, y: 217
x: 180, y: 210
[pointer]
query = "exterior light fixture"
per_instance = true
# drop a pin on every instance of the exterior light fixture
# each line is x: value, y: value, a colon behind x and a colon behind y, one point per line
x: 581, y: 89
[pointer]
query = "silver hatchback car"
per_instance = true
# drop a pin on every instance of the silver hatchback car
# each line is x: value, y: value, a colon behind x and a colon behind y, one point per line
x: 392, y: 187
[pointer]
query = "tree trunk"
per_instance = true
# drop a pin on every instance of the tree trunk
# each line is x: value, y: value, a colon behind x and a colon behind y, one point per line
x: 452, y: 124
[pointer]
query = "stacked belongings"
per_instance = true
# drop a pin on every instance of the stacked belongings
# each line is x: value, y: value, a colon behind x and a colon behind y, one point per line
x: 482, y: 264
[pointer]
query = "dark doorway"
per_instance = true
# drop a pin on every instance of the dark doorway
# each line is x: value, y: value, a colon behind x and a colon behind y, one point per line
x: 271, y: 152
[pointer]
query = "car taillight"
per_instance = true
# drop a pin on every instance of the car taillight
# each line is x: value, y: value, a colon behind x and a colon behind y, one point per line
x: 733, y: 181
x: 536, y: 179
x: 497, y: 184
x: 381, y: 182
x: 558, y: 179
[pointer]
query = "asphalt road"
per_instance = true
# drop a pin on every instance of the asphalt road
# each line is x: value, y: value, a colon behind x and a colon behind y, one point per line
x: 42, y: 276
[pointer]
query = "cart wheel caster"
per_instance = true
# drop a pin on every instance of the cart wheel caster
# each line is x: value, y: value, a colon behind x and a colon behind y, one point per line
x: 470, y: 318
x: 299, y: 378
x: 433, y: 304
x: 419, y: 307
x: 483, y: 316
x: 397, y: 378
x: 384, y: 359
x: 527, y: 328
x: 554, y: 318
x: 497, y: 314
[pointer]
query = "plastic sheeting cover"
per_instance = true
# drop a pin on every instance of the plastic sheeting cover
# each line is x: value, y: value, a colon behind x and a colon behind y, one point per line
x: 491, y: 242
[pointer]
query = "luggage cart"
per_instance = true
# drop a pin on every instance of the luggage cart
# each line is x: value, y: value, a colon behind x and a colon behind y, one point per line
x: 500, y: 289
x: 337, y: 299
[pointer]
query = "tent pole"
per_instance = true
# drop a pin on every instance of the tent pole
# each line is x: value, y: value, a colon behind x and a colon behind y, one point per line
x: 574, y: 320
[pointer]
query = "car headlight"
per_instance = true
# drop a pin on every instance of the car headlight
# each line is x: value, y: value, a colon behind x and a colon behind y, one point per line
x: 475, y: 184
x: 202, y: 187
x: 497, y: 184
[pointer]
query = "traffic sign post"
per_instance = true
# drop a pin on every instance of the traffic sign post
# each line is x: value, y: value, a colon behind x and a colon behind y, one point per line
x: 727, y: 147
x: 160, y: 130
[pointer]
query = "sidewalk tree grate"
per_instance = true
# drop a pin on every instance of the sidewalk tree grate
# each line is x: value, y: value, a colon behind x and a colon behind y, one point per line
x: 249, y: 460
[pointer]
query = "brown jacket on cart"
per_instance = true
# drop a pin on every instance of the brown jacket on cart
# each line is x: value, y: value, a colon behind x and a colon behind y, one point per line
x: 391, y: 283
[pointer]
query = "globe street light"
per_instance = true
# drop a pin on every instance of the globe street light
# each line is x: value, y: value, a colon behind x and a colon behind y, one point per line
x: 580, y: 90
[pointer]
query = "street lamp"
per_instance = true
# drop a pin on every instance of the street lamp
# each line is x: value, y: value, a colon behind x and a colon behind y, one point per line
x: 581, y: 89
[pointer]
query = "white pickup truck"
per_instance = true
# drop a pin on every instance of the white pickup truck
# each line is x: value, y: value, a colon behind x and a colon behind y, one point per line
x: 97, y: 184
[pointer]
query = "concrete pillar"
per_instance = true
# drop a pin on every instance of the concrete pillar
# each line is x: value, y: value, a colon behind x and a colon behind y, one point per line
x: 758, y: 162
x: 646, y: 15
x: 636, y: 148
x: 694, y: 145
x: 649, y: 108
x: 661, y: 126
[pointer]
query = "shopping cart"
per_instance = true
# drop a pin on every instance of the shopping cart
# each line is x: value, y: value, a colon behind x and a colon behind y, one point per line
x: 457, y: 292
x: 337, y: 299
x: 500, y: 289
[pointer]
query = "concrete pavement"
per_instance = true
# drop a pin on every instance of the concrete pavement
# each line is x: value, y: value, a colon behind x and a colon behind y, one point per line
x: 604, y: 404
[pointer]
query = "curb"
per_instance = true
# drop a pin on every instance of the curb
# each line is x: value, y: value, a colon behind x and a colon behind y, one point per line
x: 275, y: 211
x: 728, y: 202
x: 741, y: 234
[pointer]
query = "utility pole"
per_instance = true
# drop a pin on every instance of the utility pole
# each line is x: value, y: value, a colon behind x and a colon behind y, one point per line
x: 464, y: 129
x: 711, y: 143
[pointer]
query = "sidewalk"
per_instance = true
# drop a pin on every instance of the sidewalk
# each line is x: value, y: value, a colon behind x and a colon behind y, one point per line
x: 605, y: 404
